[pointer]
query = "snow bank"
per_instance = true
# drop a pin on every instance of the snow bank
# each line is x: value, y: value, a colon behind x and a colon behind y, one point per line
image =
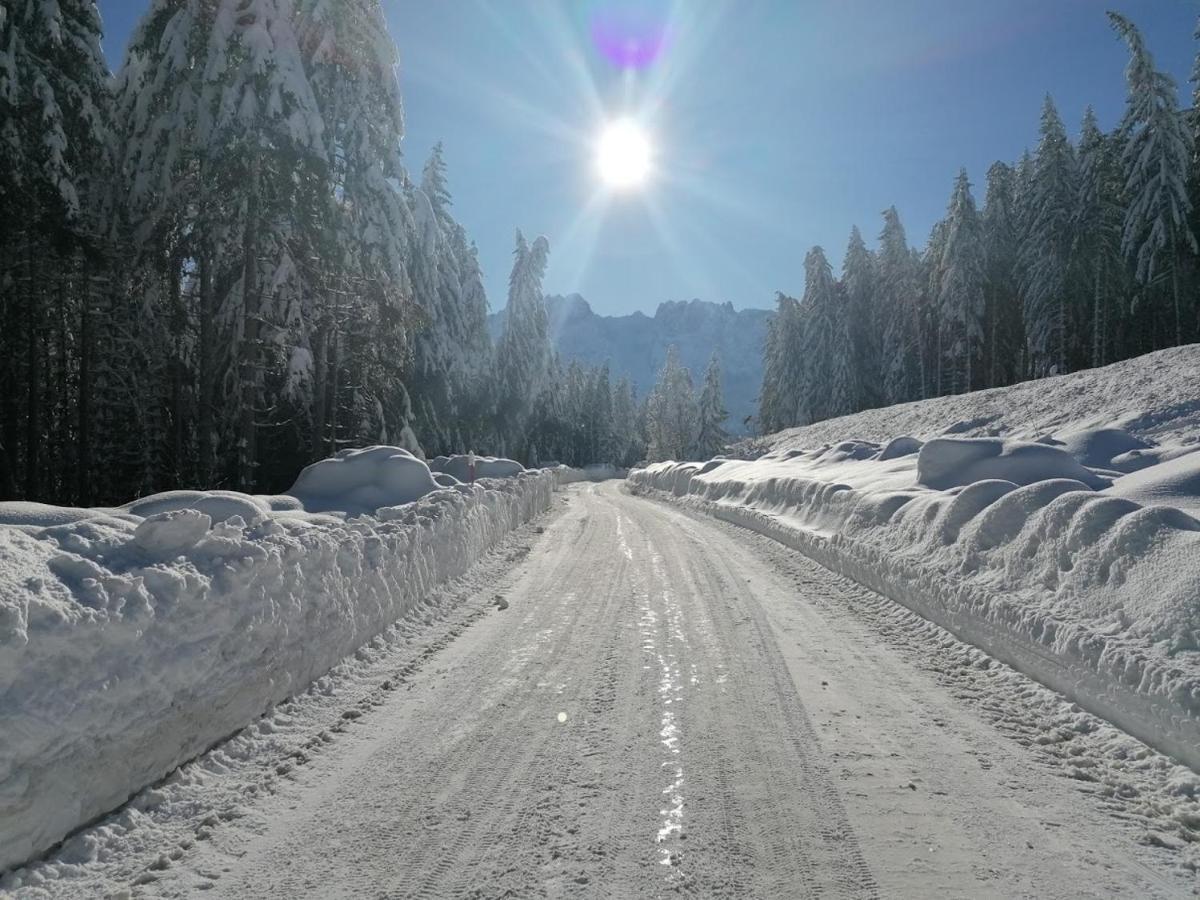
x: 1072, y: 554
x: 131, y: 642
x: 362, y: 481
x: 953, y: 462
x: 485, y: 467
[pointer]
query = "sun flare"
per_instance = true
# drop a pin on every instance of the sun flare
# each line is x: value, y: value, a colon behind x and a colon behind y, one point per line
x: 623, y: 155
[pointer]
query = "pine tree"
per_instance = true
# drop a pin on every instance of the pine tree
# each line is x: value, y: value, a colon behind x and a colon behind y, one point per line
x: 1046, y: 248
x: 672, y: 411
x: 629, y: 448
x: 783, y: 368
x: 1001, y: 294
x: 898, y: 288
x: 523, y: 356
x: 828, y: 376
x: 54, y: 157
x: 1098, y: 228
x: 711, y: 438
x: 860, y: 282
x: 453, y: 348
x: 1156, y: 156
x: 960, y: 294
x: 363, y: 313
x: 598, y: 415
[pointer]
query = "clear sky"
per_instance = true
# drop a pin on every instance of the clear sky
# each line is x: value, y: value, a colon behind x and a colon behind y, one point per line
x: 776, y: 125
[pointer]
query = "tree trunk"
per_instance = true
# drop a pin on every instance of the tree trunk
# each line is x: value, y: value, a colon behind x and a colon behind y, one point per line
x: 1175, y: 298
x: 320, y: 390
x: 248, y: 428
x: 207, y: 374
x: 1097, y: 339
x: 34, y: 373
x: 83, y: 473
x: 178, y: 322
x: 334, y: 371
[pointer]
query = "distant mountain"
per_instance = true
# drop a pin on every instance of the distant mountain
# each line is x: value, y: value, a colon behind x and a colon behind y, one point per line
x: 635, y: 346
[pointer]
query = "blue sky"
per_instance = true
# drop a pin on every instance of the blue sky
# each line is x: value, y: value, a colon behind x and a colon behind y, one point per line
x: 777, y: 125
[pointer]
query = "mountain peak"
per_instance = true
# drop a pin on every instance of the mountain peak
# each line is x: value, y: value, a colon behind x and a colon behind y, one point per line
x: 635, y: 345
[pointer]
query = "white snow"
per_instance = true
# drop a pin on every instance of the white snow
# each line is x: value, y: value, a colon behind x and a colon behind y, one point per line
x: 485, y: 467
x: 1052, y: 523
x: 133, y: 639
x: 363, y: 481
x: 594, y: 472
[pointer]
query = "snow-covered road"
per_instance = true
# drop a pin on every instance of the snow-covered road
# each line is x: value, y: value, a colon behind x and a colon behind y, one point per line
x: 669, y: 704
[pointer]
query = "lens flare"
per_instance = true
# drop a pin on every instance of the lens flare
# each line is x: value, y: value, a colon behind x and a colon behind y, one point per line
x: 629, y: 37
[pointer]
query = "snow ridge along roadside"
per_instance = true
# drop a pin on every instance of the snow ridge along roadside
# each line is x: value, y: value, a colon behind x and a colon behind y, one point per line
x: 127, y: 649
x: 1059, y: 533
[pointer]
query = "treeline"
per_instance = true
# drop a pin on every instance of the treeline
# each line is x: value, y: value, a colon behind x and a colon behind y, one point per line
x: 1083, y: 254
x: 577, y: 415
x: 215, y: 267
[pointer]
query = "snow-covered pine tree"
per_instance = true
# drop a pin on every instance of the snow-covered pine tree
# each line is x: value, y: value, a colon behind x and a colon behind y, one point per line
x: 1001, y: 294
x: 452, y: 352
x: 259, y: 123
x: 1098, y: 228
x: 524, y: 353
x: 54, y: 152
x: 599, y: 416
x: 827, y: 355
x: 960, y: 293
x: 860, y: 283
x: 927, y: 264
x: 1046, y: 246
x: 711, y: 437
x: 629, y: 448
x: 783, y: 385
x: 672, y: 414
x: 171, y: 207
x: 363, y: 314
x: 1194, y: 128
x: 53, y: 121
x: 1156, y: 157
x: 898, y: 288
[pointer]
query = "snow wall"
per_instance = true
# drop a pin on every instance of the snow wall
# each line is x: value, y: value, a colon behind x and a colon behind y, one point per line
x: 132, y: 641
x: 1096, y: 596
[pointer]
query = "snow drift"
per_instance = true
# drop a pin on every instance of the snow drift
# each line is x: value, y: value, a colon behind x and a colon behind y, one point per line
x: 132, y: 639
x: 1071, y: 552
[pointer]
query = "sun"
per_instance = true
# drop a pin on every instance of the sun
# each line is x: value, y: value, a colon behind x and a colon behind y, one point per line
x: 623, y: 155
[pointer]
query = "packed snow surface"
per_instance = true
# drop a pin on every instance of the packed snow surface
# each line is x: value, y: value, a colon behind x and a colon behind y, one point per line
x: 1053, y: 523
x: 133, y: 638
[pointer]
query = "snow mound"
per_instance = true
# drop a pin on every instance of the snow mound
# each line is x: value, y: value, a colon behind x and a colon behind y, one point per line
x: 485, y: 467
x: 358, y: 482
x: 1101, y: 448
x: 1175, y: 482
x: 171, y: 533
x: 217, y: 505
x: 900, y: 446
x: 40, y: 515
x: 131, y: 642
x: 953, y: 462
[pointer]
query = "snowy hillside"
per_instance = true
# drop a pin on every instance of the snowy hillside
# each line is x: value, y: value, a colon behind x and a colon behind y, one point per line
x: 635, y: 346
x: 133, y: 638
x: 1056, y: 524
